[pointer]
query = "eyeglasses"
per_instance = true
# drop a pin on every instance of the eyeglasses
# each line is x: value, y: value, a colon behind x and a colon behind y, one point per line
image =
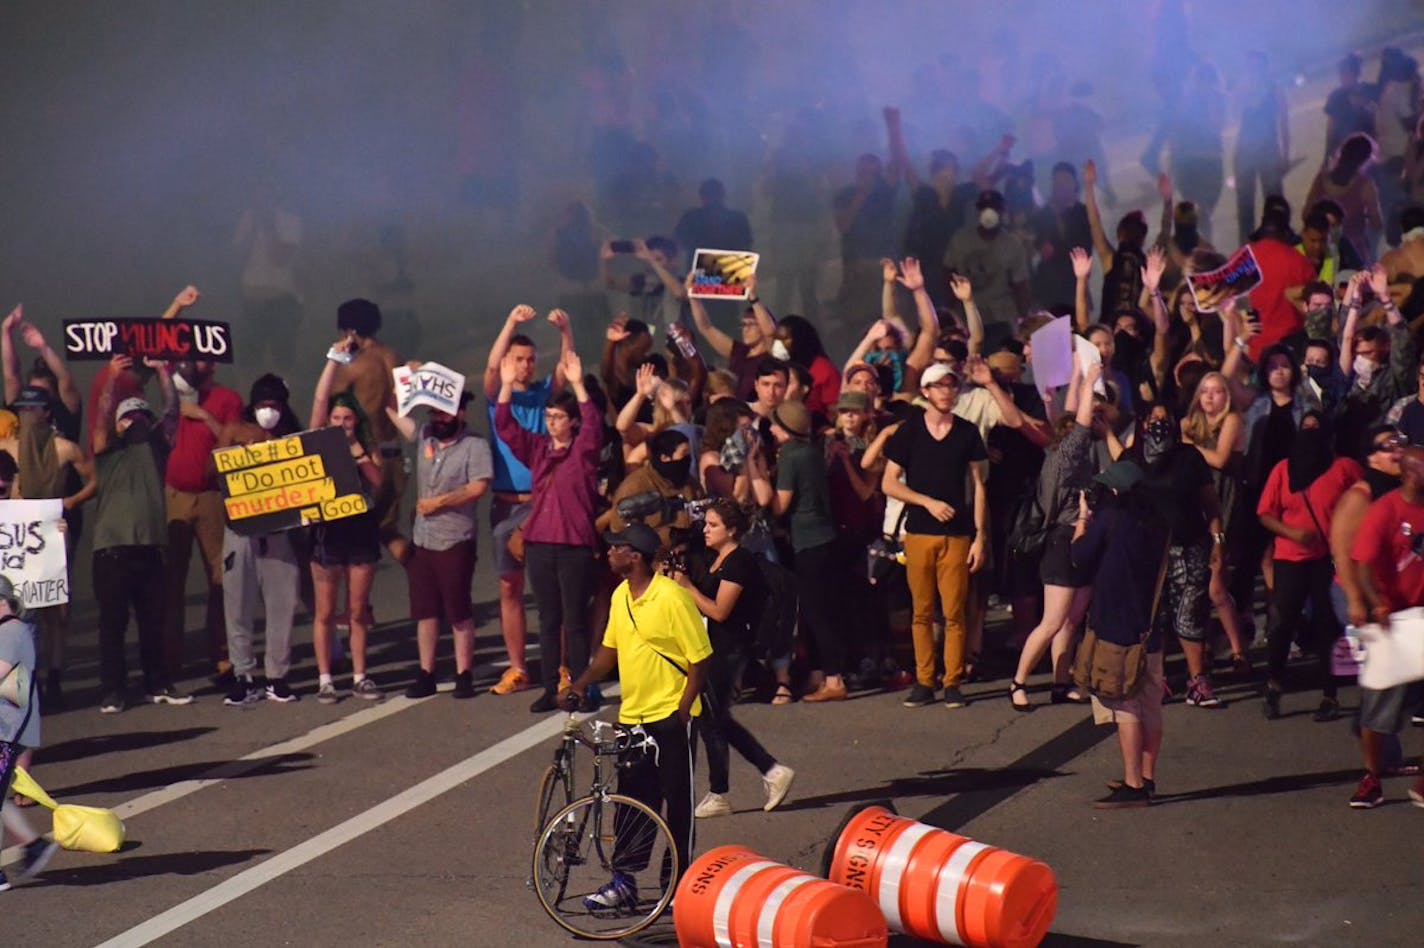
x: 555, y: 416
x: 1396, y: 443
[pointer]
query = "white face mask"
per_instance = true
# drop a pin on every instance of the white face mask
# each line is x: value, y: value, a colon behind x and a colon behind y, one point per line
x: 779, y: 351
x: 267, y: 417
x: 989, y: 218
x: 1364, y: 368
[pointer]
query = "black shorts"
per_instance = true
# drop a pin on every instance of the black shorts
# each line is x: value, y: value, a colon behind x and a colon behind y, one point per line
x: 1057, y: 567
x: 351, y: 541
x: 440, y: 582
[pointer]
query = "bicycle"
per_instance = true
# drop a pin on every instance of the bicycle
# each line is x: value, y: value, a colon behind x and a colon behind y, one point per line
x: 603, y: 847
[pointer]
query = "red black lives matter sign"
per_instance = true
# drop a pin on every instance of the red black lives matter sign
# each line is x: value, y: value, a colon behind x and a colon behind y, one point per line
x: 172, y: 340
x: 290, y: 482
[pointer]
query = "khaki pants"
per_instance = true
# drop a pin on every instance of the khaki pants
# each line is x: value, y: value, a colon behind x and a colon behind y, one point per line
x: 937, y: 566
x: 194, y: 516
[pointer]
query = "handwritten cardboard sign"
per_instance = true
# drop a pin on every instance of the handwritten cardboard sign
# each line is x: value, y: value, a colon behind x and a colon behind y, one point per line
x: 431, y: 385
x: 32, y: 551
x: 722, y: 274
x: 173, y: 340
x: 291, y: 482
x: 1239, y: 275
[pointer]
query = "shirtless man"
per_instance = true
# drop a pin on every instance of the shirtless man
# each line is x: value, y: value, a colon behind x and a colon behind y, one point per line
x: 368, y: 377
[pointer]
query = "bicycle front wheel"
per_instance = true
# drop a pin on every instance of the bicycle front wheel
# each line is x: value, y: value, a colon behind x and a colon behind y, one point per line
x: 555, y: 793
x: 605, y: 867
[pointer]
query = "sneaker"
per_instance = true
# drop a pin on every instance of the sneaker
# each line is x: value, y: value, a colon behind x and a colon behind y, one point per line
x: 1369, y: 794
x: 37, y: 856
x: 1200, y: 695
x: 244, y: 691
x: 367, y: 690
x: 547, y: 701
x: 714, y: 804
x: 111, y: 703
x: 1123, y: 798
x: 278, y: 690
x: 513, y: 679
x: 169, y: 695
x: 422, y: 687
x: 778, y: 784
x: 464, y: 685
x: 1329, y: 710
x: 953, y: 697
x: 920, y: 696
x: 1148, y: 784
x: 1417, y: 720
x: 4, y: 882
x: 620, y: 892
x: 326, y: 693
x: 826, y: 692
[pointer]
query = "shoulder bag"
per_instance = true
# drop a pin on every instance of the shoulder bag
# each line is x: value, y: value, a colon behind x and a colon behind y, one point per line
x: 1113, y: 672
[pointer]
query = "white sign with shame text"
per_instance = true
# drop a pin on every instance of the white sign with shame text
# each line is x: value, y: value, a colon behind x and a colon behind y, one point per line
x: 32, y: 551
x: 431, y: 385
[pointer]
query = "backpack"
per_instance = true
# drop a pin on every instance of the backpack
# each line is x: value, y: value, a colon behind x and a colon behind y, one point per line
x: 1028, y: 528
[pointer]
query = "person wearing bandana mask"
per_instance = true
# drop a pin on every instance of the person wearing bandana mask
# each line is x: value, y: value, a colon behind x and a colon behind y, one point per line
x: 1380, y: 359
x: 1298, y: 501
x: 1179, y: 483
x: 996, y: 264
x: 261, y: 568
x: 131, y: 450
x: 453, y: 471
x: 666, y: 473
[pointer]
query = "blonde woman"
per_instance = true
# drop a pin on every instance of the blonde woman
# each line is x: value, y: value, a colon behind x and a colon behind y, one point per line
x: 1216, y: 430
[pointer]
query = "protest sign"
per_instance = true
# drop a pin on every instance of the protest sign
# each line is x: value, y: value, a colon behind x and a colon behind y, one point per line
x: 1239, y: 275
x: 289, y: 482
x: 1052, y: 348
x: 172, y: 340
x: 431, y: 385
x: 1088, y: 356
x: 722, y: 274
x: 32, y: 552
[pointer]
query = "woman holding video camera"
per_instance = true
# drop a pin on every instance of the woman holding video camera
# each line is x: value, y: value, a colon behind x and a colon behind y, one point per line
x: 731, y: 595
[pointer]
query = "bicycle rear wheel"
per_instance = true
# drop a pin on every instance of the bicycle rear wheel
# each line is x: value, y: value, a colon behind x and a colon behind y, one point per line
x: 605, y: 867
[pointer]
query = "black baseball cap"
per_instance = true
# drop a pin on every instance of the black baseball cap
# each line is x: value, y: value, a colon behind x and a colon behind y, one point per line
x: 640, y: 537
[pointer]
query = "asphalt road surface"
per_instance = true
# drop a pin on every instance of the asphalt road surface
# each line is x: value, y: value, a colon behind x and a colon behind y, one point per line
x: 410, y: 821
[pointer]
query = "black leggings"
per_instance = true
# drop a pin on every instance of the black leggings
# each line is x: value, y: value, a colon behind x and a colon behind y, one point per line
x: 719, y: 729
x: 1297, y: 582
x: 562, y: 579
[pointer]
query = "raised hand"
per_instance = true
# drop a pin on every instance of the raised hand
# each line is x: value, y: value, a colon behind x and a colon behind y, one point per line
x: 13, y: 320
x: 1379, y: 283
x: 508, y: 371
x: 878, y: 330
x: 186, y: 297
x: 1090, y: 173
x: 751, y: 284
x: 120, y: 362
x: 910, y: 277
x: 888, y: 271
x: 522, y: 313
x: 572, y: 367
x: 1164, y: 186
x: 32, y: 336
x: 1082, y: 263
x: 961, y: 287
x: 979, y: 371
x: 1156, y: 266
x: 646, y: 383
x: 559, y: 319
x: 1092, y: 373
x: 617, y: 330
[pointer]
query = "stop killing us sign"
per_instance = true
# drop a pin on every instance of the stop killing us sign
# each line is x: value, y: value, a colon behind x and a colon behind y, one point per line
x: 172, y: 340
x: 292, y: 482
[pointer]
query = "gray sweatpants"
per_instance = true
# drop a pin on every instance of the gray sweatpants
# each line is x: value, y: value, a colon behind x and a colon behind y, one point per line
x: 262, y: 567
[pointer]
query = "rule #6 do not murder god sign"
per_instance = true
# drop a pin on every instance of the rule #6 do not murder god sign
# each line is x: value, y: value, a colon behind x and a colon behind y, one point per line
x: 291, y: 482
x: 172, y: 340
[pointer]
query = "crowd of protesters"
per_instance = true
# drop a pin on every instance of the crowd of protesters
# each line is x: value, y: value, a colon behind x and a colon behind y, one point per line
x: 1243, y: 474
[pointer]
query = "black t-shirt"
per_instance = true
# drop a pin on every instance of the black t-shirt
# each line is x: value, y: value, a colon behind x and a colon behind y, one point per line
x: 1175, y: 490
x: 739, y: 628
x: 1411, y: 422
x: 939, y: 469
x: 1122, y: 284
x: 872, y: 233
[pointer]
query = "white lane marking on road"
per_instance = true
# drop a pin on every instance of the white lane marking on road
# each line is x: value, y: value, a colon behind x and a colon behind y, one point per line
x: 235, y: 768
x: 359, y: 825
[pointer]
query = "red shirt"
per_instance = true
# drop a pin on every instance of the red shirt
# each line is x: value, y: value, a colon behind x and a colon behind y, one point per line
x: 1282, y: 267
x: 825, y: 385
x: 1386, y: 545
x: 189, y: 467
x: 1277, y: 500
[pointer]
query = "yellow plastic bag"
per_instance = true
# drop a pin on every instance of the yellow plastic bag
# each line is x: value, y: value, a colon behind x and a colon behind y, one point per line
x: 88, y: 829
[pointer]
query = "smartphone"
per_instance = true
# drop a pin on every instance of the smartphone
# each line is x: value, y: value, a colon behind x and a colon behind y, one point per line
x: 621, y: 246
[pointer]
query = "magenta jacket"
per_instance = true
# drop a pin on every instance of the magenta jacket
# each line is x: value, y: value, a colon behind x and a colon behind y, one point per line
x: 565, y: 482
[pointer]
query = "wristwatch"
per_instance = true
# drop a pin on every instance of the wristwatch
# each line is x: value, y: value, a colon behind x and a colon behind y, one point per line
x: 1241, y: 344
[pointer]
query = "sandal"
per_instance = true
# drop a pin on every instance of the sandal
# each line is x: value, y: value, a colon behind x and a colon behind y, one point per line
x: 783, y: 695
x: 1066, y: 694
x: 1018, y: 686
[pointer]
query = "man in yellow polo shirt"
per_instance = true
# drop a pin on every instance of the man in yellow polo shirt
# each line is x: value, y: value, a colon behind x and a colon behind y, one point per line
x: 656, y: 638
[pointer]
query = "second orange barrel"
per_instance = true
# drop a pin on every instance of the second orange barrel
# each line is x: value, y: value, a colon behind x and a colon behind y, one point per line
x: 732, y: 898
x: 936, y: 885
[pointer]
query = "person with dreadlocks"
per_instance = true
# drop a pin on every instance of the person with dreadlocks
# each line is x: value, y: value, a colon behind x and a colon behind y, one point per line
x: 1296, y: 505
x: 346, y: 549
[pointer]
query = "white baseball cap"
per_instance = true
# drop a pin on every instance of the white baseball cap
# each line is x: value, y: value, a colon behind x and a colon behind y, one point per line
x: 130, y: 405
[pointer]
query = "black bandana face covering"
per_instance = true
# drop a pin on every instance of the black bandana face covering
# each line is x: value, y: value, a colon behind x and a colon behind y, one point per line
x: 1157, y: 442
x: 674, y: 472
